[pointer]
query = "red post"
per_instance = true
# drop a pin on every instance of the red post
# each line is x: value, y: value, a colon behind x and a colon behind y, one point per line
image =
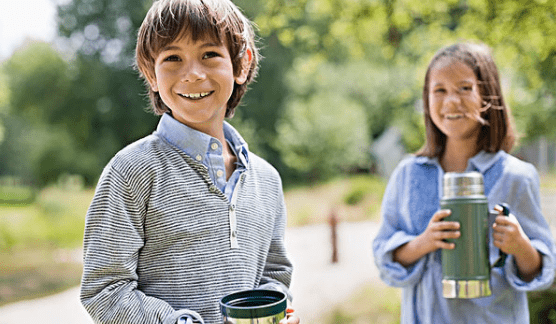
x: 333, y: 221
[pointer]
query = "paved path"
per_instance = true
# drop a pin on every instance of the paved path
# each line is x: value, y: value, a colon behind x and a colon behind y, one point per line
x: 317, y: 283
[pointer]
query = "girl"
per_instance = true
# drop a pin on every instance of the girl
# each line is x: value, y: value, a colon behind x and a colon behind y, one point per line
x: 468, y: 128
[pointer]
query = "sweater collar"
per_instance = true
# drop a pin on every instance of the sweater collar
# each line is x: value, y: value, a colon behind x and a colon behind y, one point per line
x: 195, y: 143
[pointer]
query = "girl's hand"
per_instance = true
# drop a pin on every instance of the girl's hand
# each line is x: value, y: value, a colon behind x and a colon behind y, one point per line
x: 508, y: 235
x: 290, y: 317
x: 430, y: 240
x: 438, y: 231
x: 510, y: 238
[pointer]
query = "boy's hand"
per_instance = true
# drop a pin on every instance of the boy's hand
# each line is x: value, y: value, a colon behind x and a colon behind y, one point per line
x: 290, y: 317
x: 508, y: 235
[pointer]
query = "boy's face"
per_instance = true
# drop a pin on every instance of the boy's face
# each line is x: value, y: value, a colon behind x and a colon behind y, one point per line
x: 195, y: 80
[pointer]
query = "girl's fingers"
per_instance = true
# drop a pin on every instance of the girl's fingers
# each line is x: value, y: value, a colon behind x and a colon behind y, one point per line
x: 441, y: 214
x: 444, y: 226
x: 445, y: 245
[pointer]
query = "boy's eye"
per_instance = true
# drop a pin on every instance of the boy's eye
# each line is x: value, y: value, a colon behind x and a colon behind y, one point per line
x: 210, y: 55
x: 439, y: 90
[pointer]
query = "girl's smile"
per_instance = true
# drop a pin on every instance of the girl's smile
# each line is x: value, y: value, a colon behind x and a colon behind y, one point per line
x: 454, y: 99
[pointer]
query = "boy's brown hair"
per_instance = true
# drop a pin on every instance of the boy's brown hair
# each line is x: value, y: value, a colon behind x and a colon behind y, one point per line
x: 221, y: 20
x: 497, y: 131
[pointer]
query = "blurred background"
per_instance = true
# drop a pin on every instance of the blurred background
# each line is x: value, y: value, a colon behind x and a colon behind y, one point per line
x: 336, y: 105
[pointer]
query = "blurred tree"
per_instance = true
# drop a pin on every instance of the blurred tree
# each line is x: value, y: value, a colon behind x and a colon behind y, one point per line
x: 39, y: 132
x: 372, y: 52
x: 107, y: 98
x: 323, y: 135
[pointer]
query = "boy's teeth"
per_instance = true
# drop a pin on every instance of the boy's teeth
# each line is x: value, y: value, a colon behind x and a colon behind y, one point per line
x: 196, y: 95
x: 454, y: 116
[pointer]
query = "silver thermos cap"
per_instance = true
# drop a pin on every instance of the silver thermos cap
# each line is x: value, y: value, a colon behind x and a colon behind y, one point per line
x: 463, y: 184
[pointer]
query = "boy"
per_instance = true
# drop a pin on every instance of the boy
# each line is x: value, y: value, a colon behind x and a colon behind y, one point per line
x: 186, y: 215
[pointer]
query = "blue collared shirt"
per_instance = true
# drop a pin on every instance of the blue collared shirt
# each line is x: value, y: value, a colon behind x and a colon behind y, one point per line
x: 207, y: 150
x: 411, y: 198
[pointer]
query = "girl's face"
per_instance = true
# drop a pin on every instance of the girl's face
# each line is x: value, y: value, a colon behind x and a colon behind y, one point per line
x: 454, y: 100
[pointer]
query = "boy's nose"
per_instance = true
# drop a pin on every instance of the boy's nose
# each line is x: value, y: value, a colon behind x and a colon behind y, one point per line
x: 193, y: 72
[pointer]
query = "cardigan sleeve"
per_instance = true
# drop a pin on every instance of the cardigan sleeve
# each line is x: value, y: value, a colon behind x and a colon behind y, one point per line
x: 524, y: 201
x: 112, y: 241
x: 394, y: 233
x: 278, y: 268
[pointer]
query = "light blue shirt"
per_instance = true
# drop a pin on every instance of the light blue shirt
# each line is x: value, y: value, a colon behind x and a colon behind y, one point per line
x: 411, y: 198
x: 207, y: 150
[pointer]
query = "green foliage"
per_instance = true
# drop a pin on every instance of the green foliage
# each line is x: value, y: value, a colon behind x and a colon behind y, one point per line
x: 360, y: 187
x: 323, y: 135
x: 369, y: 55
x: 38, y: 83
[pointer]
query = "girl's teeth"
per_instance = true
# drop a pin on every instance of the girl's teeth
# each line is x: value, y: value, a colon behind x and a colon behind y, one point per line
x: 455, y: 116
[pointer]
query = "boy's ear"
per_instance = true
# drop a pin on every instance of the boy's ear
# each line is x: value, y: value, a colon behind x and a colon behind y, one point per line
x: 245, y: 66
x: 152, y: 81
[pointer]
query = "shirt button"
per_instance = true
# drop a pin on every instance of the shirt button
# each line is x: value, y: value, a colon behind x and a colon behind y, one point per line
x: 199, y: 158
x: 219, y: 173
x: 214, y: 146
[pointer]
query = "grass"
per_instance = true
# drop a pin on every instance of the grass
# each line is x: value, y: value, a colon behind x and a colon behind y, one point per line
x: 55, y: 219
x: 548, y: 181
x: 352, y: 199
x: 40, y: 244
x: 27, y: 273
x: 372, y: 303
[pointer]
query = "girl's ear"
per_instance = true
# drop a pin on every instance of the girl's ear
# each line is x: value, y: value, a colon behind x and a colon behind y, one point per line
x: 245, y: 67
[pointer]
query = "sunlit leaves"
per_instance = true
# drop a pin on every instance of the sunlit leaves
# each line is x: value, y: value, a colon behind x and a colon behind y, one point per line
x: 323, y: 135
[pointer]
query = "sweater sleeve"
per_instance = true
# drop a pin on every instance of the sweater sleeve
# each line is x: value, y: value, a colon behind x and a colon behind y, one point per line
x: 278, y: 268
x: 393, y: 233
x: 524, y: 200
x: 112, y: 241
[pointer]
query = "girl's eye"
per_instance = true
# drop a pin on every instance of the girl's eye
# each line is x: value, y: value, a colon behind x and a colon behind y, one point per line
x: 466, y: 88
x: 210, y: 55
x: 172, y: 58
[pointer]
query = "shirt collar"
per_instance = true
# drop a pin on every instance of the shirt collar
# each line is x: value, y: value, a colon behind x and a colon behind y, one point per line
x: 484, y: 160
x: 194, y: 142
x: 480, y: 162
x: 237, y: 143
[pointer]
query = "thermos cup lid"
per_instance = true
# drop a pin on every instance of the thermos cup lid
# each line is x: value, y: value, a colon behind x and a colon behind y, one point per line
x: 463, y: 184
x: 256, y: 303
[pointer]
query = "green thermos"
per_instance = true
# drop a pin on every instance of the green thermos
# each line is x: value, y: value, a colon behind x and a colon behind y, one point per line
x: 466, y: 269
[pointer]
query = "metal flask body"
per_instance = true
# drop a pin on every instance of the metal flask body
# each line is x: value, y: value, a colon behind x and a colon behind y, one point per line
x: 466, y: 269
x: 256, y: 306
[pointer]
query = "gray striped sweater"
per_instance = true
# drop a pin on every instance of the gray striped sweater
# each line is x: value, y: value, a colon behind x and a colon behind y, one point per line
x: 161, y: 240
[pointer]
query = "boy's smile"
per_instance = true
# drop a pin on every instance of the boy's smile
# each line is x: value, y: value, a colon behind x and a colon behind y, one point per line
x: 196, y: 96
x: 195, y: 80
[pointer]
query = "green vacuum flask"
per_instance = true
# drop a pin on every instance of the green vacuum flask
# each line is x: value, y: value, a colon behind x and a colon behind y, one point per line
x: 466, y: 269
